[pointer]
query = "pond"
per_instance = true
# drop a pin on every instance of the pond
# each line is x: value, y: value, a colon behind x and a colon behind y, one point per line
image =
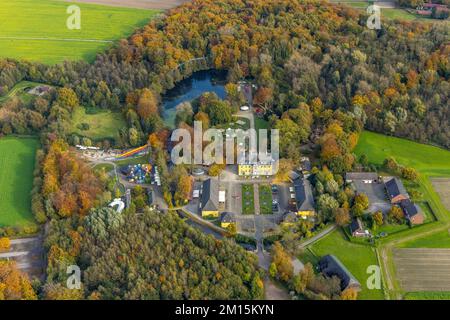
x: 190, y: 89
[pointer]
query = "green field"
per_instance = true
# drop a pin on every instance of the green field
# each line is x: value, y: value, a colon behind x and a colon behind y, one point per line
x: 387, y: 13
x: 17, y: 156
x: 436, y: 240
x: 134, y: 160
x: 355, y: 257
x: 433, y: 295
x: 102, y: 124
x: 37, y: 30
x: 248, y: 199
x: 265, y: 199
x: 428, y: 160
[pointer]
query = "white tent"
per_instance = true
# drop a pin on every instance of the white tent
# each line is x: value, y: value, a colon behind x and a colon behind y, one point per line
x: 222, y: 196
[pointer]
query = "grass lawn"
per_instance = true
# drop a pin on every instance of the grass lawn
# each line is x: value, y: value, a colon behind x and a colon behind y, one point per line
x: 102, y: 124
x: 439, y: 239
x: 136, y: 160
x: 20, y: 90
x: 356, y: 258
x: 387, y: 13
x: 17, y: 157
x: 392, y: 228
x: 265, y: 199
x: 428, y: 160
x: 37, y: 31
x: 427, y: 295
x: 248, y: 199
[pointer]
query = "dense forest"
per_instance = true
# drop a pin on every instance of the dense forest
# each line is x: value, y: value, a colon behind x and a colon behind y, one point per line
x: 394, y: 79
x: 149, y: 256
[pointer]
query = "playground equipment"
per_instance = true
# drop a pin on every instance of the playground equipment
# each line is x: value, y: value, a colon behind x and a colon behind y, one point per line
x: 138, y: 173
x: 132, y: 152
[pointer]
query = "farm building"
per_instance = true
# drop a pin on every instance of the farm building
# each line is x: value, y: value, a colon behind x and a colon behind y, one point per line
x: 395, y: 190
x: 412, y: 212
x: 330, y: 266
x: 357, y: 230
x: 304, y: 200
x: 210, y: 199
x: 227, y: 219
x: 365, y: 177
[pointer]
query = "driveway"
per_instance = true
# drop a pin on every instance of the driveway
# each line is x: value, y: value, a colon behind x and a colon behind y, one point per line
x: 377, y: 196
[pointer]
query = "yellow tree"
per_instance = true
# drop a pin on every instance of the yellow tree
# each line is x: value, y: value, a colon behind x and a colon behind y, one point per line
x: 14, y: 285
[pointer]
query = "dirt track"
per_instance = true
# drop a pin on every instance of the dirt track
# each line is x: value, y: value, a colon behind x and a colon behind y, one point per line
x: 423, y: 269
x: 442, y: 187
x: 144, y: 4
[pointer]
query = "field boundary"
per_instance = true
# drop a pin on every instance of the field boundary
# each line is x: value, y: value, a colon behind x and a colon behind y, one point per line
x: 55, y: 39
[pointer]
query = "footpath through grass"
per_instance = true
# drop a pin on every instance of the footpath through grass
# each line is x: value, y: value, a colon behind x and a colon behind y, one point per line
x: 17, y: 158
x: 37, y: 30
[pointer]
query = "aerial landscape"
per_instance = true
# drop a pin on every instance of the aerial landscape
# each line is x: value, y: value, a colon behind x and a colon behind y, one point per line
x: 225, y: 150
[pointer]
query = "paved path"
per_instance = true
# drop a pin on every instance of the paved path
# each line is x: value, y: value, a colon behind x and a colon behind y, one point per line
x: 318, y: 236
x: 23, y: 240
x: 8, y: 255
x: 256, y: 198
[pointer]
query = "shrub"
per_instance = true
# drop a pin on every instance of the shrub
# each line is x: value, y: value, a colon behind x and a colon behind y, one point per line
x: 5, y: 244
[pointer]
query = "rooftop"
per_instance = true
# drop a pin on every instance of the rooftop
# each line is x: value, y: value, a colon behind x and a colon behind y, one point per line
x: 395, y: 187
x: 303, y: 194
x: 331, y: 266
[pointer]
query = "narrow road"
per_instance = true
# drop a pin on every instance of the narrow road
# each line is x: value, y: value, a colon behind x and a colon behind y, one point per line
x: 318, y: 236
x: 256, y: 199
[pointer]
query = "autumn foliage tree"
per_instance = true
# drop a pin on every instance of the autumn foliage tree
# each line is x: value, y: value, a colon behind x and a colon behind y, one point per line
x: 5, y: 243
x: 282, y: 261
x: 147, y: 104
x: 69, y: 184
x: 14, y: 285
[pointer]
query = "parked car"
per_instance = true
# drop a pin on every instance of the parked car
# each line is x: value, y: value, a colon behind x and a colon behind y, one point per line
x: 198, y: 172
x: 274, y: 189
